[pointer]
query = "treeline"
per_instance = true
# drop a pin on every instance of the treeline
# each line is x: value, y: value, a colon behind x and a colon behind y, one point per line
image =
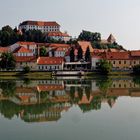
x: 9, y: 36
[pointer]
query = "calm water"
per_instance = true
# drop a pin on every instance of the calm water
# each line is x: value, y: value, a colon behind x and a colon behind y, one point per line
x: 107, y: 109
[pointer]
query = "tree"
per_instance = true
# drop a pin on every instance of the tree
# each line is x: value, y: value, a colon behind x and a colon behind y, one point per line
x: 104, y: 67
x: 26, y: 69
x: 43, y: 51
x: 80, y: 53
x: 89, y: 36
x: 72, y: 55
x: 87, y: 55
x: 136, y: 69
x: 7, y: 61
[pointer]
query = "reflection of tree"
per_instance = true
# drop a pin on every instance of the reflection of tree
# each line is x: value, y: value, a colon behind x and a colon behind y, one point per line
x: 8, y: 88
x: 9, y: 109
x: 104, y: 84
x: 88, y: 92
x: 136, y: 80
x: 27, y: 81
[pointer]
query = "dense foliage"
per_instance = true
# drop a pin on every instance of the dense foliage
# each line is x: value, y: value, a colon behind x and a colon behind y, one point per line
x: 104, y: 67
x: 7, y: 61
x: 136, y: 69
x: 89, y: 36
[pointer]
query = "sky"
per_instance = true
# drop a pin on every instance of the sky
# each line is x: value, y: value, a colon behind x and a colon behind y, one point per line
x: 119, y: 17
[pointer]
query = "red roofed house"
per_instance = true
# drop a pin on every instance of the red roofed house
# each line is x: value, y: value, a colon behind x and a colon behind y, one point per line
x: 50, y: 63
x: 43, y: 26
x: 3, y: 50
x: 22, y: 61
x: 123, y: 60
x: 59, y: 36
x: 22, y: 51
x: 28, y: 45
x: 84, y: 45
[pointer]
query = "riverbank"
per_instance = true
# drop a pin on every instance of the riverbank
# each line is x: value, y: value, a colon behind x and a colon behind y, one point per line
x: 30, y: 75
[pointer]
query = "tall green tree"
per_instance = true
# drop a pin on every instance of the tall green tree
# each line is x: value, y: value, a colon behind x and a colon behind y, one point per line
x: 72, y: 55
x: 80, y: 53
x: 7, y: 61
x: 87, y: 55
x: 43, y: 51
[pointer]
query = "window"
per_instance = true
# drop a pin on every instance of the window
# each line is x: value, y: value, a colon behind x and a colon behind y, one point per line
x: 113, y: 62
x: 119, y: 62
x: 124, y: 62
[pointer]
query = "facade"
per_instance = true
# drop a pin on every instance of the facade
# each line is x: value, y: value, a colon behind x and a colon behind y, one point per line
x: 43, y: 26
x: 22, y: 51
x: 123, y: 60
x: 59, y: 36
x: 50, y: 63
x: 32, y: 46
x: 23, y: 61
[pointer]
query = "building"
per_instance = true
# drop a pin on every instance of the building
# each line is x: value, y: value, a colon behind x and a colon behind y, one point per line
x: 123, y: 60
x: 59, y: 36
x: 50, y: 63
x: 23, y: 61
x: 43, y: 26
x: 32, y: 46
x: 3, y: 50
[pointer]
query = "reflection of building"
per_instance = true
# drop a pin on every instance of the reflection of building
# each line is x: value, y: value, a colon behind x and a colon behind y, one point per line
x: 25, y: 96
x: 53, y: 113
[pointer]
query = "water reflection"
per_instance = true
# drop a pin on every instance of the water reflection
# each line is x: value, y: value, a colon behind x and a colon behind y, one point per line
x: 45, y: 100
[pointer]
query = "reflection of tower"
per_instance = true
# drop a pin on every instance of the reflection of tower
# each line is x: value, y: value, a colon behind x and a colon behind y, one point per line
x: 111, y: 102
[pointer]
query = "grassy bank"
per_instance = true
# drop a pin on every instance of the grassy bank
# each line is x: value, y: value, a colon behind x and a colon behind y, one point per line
x: 30, y: 75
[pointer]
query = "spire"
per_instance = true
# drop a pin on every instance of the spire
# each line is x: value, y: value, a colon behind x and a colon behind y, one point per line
x: 111, y: 39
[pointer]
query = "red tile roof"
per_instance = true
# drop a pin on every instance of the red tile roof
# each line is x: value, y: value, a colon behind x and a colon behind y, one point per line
x: 26, y: 43
x: 40, y: 23
x: 84, y: 45
x: 22, y: 49
x: 49, y: 87
x: 25, y: 58
x: 135, y: 53
x: 4, y: 49
x: 50, y: 60
x: 117, y: 55
x: 58, y: 34
x: 59, y: 45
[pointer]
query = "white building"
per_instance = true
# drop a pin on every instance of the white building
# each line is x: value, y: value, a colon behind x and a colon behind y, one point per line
x: 50, y: 26
x: 59, y: 36
x: 50, y: 63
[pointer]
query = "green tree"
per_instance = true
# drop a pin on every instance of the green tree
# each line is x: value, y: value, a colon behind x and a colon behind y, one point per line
x: 26, y: 69
x: 72, y: 55
x: 43, y: 51
x: 80, y: 53
x: 87, y: 55
x: 104, y: 67
x: 7, y: 61
x: 89, y: 36
x: 136, y: 70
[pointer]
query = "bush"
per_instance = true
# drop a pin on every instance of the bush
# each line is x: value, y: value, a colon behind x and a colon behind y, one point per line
x: 104, y: 67
x: 26, y: 69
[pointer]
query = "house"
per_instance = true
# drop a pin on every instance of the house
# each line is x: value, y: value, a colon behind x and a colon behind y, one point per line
x: 43, y: 26
x: 50, y: 63
x: 84, y: 45
x: 95, y: 61
x: 4, y: 50
x: 58, y: 50
x: 59, y: 36
x: 23, y: 61
x: 32, y: 46
x: 123, y: 60
x: 22, y: 51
